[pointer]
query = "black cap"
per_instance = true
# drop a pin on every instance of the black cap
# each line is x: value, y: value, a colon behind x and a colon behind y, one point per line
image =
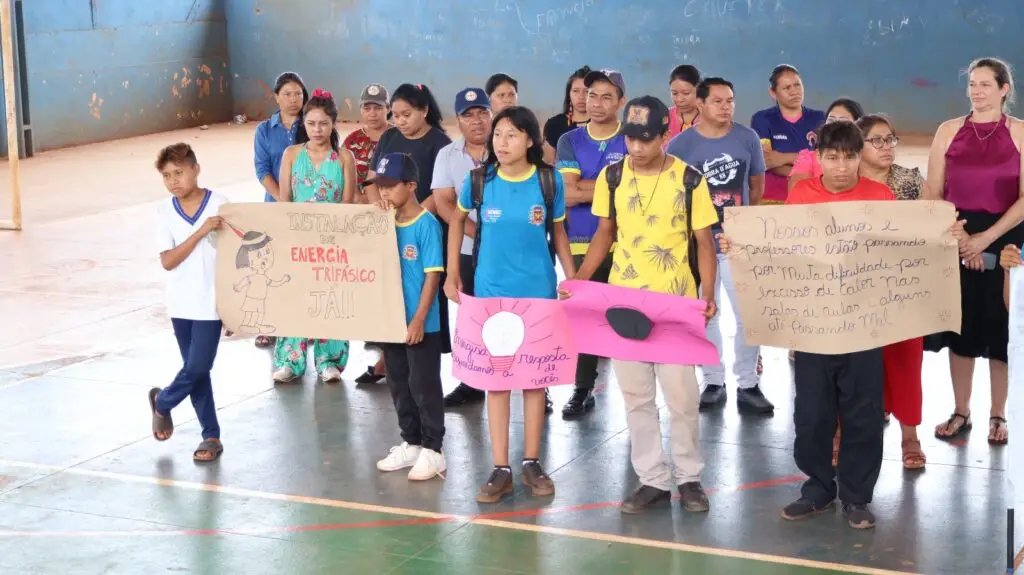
x: 645, y: 118
x: 393, y: 169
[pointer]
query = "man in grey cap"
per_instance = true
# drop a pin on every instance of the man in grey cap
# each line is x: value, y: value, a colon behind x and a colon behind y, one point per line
x: 373, y: 112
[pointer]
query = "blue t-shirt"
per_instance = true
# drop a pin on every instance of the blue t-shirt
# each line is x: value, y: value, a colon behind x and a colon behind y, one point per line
x: 727, y: 164
x: 786, y: 137
x: 579, y: 153
x: 513, y: 258
x: 419, y: 250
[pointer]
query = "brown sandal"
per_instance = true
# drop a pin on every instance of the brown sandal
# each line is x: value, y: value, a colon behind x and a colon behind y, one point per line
x: 994, y: 423
x: 913, y: 457
x: 957, y: 430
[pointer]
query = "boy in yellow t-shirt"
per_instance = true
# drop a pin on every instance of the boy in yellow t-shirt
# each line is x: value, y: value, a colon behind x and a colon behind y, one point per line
x: 649, y: 221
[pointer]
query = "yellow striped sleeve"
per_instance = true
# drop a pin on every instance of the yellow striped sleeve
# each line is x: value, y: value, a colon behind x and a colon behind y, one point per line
x: 435, y: 269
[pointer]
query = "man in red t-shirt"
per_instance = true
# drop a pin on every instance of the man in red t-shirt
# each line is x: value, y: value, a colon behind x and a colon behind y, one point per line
x: 847, y: 386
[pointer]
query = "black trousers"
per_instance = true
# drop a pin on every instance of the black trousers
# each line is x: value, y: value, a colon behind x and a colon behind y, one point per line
x: 414, y: 377
x: 467, y: 272
x: 586, y: 366
x: 846, y: 388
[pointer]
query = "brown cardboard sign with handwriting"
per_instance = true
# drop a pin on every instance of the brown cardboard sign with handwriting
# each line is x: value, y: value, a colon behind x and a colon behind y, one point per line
x: 844, y: 277
x: 324, y: 271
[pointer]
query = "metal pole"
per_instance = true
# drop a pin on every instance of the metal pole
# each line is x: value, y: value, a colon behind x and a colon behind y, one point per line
x: 11, y: 105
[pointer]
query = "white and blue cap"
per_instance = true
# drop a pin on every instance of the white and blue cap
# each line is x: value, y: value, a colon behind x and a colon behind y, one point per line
x: 471, y: 98
x: 393, y: 169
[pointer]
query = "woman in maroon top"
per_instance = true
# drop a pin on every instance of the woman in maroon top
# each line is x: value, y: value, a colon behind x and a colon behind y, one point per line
x: 975, y: 163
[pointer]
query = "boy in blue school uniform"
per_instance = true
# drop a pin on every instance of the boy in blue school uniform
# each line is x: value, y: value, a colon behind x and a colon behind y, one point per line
x: 414, y: 368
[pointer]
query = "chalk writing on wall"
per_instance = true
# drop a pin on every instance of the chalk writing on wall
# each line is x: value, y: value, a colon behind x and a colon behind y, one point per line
x: 846, y: 276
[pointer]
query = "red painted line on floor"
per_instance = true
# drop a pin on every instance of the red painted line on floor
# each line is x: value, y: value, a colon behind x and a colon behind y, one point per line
x: 387, y: 523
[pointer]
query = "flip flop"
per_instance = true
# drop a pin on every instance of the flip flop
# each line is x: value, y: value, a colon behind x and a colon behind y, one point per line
x: 160, y: 424
x: 214, y: 447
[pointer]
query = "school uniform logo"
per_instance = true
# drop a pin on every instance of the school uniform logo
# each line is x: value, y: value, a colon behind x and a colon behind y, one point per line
x: 492, y: 214
x: 613, y: 157
x: 812, y: 140
x: 537, y: 214
x: 409, y: 252
x: 779, y: 137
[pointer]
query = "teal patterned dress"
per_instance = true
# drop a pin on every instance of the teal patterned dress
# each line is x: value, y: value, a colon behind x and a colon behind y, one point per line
x: 313, y: 184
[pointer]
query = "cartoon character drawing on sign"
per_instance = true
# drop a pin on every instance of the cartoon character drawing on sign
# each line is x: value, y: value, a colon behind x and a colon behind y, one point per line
x: 256, y: 255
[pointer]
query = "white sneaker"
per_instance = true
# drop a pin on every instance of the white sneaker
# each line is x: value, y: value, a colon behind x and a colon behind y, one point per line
x: 284, y: 375
x: 400, y: 457
x: 429, y: 465
x: 330, y: 374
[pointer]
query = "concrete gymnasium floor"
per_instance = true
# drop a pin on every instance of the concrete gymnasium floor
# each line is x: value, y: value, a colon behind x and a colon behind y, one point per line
x: 85, y: 489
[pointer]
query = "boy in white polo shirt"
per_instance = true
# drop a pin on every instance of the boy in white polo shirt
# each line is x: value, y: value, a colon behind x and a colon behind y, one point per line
x: 188, y: 252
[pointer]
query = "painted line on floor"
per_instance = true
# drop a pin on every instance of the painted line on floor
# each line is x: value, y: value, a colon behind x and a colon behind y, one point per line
x: 482, y: 520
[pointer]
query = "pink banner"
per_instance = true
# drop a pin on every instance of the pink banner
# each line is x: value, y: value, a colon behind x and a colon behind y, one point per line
x: 637, y: 325
x: 503, y: 344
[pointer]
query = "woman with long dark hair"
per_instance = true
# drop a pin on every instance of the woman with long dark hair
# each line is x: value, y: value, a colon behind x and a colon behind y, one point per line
x: 273, y: 136
x: 315, y: 169
x: 419, y: 133
x: 574, y: 113
x: 514, y: 259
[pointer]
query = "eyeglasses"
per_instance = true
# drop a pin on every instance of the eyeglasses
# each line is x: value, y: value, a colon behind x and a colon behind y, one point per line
x: 878, y: 142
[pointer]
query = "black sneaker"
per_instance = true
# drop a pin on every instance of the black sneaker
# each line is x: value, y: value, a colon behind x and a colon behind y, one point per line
x: 369, y: 377
x: 803, y: 508
x: 462, y: 395
x: 693, y: 497
x: 713, y: 396
x: 753, y: 401
x: 644, y: 498
x: 858, y: 516
x: 582, y: 401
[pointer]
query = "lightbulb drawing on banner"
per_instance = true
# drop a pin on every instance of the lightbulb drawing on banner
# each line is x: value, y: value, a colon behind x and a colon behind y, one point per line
x: 503, y: 333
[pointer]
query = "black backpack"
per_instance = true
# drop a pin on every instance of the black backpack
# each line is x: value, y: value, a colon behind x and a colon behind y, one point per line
x: 545, y: 174
x: 691, y: 179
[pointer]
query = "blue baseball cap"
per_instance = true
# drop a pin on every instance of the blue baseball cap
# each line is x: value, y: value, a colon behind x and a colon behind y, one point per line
x: 471, y: 98
x: 393, y: 169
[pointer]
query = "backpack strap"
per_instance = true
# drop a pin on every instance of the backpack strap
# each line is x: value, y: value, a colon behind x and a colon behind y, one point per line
x: 476, y: 186
x: 691, y: 179
x: 613, y: 176
x: 546, y: 175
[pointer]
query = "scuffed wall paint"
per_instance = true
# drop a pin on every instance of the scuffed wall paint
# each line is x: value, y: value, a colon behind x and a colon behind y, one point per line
x: 903, y: 57
x: 107, y: 69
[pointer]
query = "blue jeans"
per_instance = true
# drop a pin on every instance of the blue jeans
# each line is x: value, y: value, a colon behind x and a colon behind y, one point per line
x: 197, y: 341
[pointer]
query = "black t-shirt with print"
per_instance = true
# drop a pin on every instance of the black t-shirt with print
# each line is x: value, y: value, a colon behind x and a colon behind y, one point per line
x: 556, y: 126
x: 423, y: 151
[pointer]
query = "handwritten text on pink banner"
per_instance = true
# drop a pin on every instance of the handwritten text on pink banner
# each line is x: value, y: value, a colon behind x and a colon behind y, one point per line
x: 503, y: 344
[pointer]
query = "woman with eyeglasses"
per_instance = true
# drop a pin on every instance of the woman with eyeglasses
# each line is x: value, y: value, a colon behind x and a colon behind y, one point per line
x: 902, y: 360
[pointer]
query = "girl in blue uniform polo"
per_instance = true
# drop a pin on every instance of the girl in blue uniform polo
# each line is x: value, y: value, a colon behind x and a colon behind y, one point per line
x: 513, y: 260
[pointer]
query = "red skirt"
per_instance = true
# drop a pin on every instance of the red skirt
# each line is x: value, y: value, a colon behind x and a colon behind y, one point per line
x: 902, y: 361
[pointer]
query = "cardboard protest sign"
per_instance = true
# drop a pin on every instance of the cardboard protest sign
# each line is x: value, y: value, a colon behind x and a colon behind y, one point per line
x: 638, y: 325
x: 846, y: 276
x: 503, y: 344
x: 325, y: 271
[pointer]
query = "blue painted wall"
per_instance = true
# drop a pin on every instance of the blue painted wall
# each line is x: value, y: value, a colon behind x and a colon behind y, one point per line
x: 107, y: 69
x: 903, y: 57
